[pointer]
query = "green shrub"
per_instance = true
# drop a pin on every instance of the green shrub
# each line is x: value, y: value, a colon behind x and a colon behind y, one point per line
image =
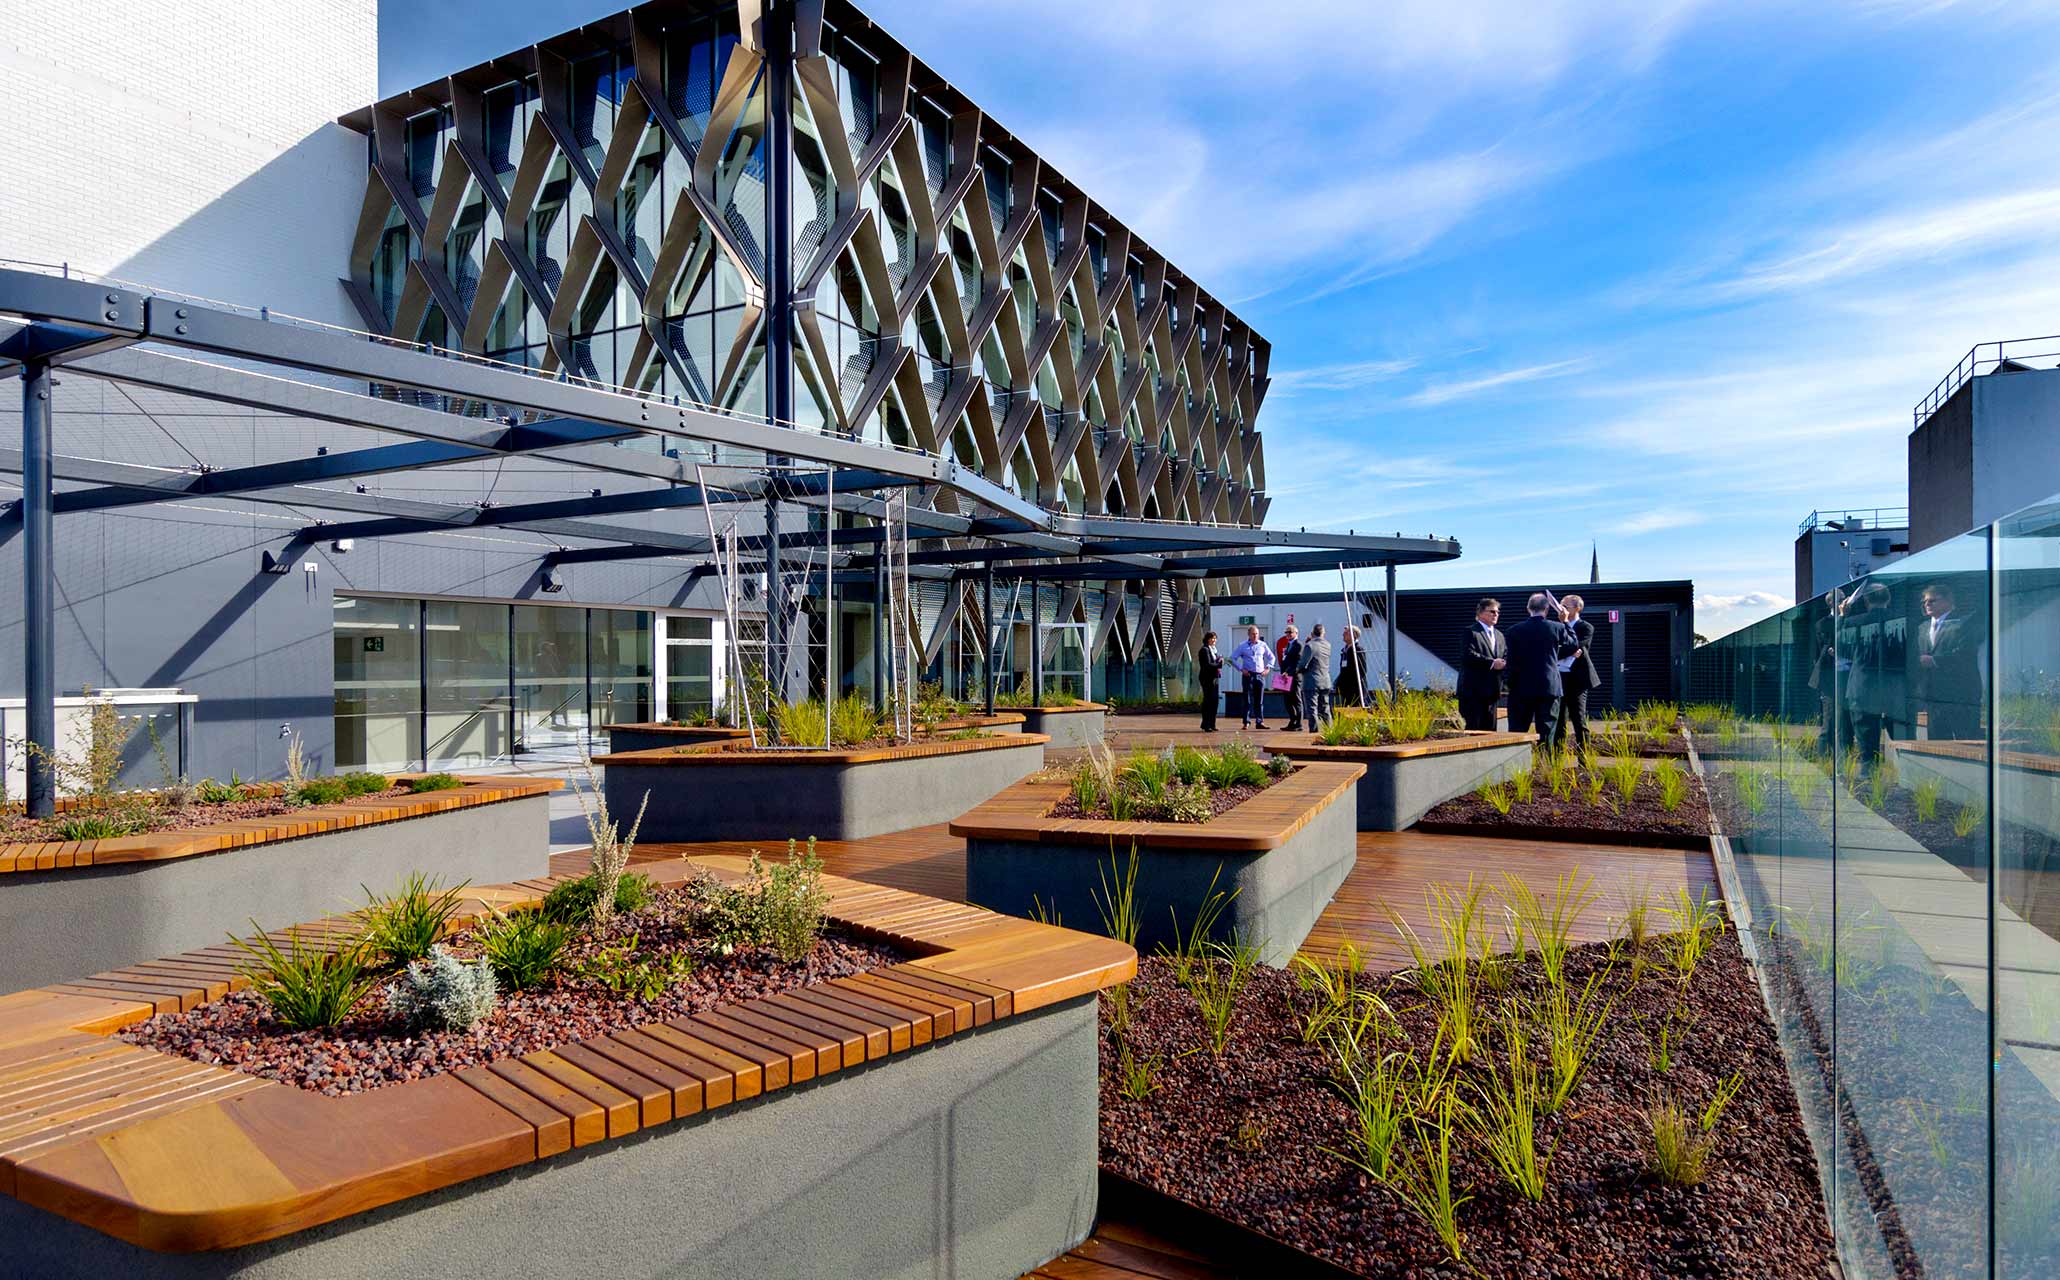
x: 364, y: 784
x: 306, y: 987
x: 1234, y: 764
x: 1187, y: 802
x: 1147, y: 776
x: 620, y: 969
x: 404, y: 927
x: 1280, y: 766
x: 523, y: 948
x: 435, y: 782
x: 442, y: 993
x: 793, y: 902
x: 572, y: 903
x: 321, y: 791
x: 1189, y: 764
x: 208, y: 791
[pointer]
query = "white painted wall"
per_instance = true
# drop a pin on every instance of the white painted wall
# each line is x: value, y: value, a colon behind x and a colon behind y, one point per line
x: 191, y: 146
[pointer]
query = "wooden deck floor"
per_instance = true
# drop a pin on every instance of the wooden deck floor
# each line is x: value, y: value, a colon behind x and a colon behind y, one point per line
x: 1127, y: 1251
x: 1395, y: 871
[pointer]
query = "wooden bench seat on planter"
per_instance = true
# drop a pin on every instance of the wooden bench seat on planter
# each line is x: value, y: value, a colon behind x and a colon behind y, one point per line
x: 656, y: 735
x: 1285, y: 851
x: 1406, y: 780
x: 942, y: 1107
x: 88, y: 905
x: 1080, y: 724
x: 719, y: 792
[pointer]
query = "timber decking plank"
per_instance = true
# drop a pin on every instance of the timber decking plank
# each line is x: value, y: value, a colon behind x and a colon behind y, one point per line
x: 748, y: 1075
x: 553, y: 1127
x: 653, y: 1098
x: 898, y: 1032
x: 681, y: 1086
x: 589, y: 1122
x: 619, y: 1106
x: 718, y: 1086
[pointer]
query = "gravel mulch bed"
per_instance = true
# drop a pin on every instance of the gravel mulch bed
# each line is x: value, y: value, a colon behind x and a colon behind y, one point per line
x: 1244, y: 1138
x: 372, y: 1049
x: 1573, y: 817
x: 17, y: 828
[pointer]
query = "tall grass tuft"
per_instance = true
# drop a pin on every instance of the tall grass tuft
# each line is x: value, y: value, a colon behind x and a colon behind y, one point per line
x: 1423, y: 1176
x: 1446, y: 979
x: 1548, y: 920
x: 402, y: 928
x: 306, y: 987
x: 1504, y: 1114
x: 1573, y: 1025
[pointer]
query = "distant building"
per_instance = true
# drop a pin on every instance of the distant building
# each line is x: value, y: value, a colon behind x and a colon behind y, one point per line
x: 1834, y: 547
x: 1985, y: 443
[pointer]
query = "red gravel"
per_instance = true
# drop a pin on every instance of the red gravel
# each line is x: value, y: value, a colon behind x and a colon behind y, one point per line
x: 370, y: 1049
x: 17, y: 828
x: 1244, y: 1138
x: 1642, y: 816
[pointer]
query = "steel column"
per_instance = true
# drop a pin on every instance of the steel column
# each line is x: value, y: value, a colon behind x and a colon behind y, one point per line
x: 880, y: 633
x: 1036, y: 641
x: 1393, y: 687
x: 778, y: 38
x: 39, y: 588
x: 987, y: 631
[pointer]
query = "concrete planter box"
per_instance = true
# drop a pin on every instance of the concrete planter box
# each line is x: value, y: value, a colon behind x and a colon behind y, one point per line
x: 937, y: 1116
x: 1080, y: 725
x: 655, y: 735
x: 723, y: 793
x: 1285, y: 852
x: 104, y: 902
x: 1407, y: 780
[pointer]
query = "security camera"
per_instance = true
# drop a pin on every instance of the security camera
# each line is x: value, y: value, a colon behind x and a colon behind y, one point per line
x: 342, y: 545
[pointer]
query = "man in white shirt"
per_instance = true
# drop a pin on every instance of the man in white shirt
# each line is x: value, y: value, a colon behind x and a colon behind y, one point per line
x: 1254, y: 661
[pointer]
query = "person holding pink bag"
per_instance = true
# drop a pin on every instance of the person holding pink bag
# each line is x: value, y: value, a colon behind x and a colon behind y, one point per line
x: 1254, y: 661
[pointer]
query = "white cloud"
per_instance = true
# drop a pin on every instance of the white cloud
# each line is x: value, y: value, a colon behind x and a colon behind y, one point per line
x: 1439, y: 393
x: 1655, y: 520
x: 1354, y: 376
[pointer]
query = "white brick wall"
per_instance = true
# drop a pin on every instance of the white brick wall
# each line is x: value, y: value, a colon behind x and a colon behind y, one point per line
x: 189, y: 145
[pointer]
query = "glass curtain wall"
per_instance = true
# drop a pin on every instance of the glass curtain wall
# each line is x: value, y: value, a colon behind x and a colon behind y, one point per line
x: 447, y: 683
x: 1885, y: 761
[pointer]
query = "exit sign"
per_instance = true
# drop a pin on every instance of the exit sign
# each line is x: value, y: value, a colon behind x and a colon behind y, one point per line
x: 1614, y: 616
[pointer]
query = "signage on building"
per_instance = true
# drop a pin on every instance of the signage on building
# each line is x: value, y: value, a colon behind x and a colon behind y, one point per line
x: 375, y: 644
x: 1614, y: 616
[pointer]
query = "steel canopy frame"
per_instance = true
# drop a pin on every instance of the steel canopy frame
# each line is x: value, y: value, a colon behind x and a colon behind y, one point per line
x: 94, y: 329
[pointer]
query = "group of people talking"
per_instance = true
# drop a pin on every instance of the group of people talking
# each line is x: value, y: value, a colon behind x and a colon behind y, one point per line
x: 1300, y: 670
x: 1546, y: 661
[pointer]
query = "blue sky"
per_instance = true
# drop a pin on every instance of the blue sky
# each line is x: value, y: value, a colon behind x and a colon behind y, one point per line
x: 1661, y: 274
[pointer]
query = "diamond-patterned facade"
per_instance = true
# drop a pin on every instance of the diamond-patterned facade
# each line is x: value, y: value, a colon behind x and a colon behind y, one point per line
x: 596, y: 205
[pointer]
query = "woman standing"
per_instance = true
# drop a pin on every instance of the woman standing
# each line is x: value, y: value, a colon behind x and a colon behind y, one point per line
x: 1210, y: 664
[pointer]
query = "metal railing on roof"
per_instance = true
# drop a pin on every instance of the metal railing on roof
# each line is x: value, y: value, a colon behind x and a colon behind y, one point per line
x: 1854, y: 519
x: 1986, y: 357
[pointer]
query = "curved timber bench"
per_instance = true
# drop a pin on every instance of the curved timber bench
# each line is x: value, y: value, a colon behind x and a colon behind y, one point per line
x: 1406, y: 780
x: 941, y: 1108
x: 89, y: 905
x: 1285, y: 851
x: 721, y: 792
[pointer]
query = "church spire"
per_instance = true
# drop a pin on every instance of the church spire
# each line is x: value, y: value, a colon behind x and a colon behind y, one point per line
x: 1594, y: 564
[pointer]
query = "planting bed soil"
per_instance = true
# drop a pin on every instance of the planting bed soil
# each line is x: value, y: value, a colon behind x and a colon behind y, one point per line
x: 371, y: 1048
x: 1546, y: 817
x: 1244, y: 1136
x: 265, y: 801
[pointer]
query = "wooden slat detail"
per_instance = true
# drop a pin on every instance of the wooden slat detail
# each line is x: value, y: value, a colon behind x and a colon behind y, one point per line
x: 553, y: 1127
x: 589, y: 1122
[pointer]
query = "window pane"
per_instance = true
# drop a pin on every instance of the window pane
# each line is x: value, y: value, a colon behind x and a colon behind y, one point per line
x: 465, y: 656
x: 619, y: 684
x: 378, y: 677
x: 550, y: 677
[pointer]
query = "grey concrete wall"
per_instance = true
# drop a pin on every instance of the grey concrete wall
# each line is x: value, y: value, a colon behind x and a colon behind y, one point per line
x: 1941, y: 462
x: 782, y: 800
x: 630, y: 738
x: 972, y: 1159
x: 1067, y: 728
x: 1279, y: 893
x: 61, y: 925
x: 1395, y: 793
x: 2016, y: 459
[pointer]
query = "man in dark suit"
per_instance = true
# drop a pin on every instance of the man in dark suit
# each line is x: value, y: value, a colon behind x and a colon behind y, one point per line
x: 1577, y: 675
x: 1535, y: 647
x: 1291, y: 667
x: 1947, y: 671
x: 1209, y: 666
x: 1481, y: 665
